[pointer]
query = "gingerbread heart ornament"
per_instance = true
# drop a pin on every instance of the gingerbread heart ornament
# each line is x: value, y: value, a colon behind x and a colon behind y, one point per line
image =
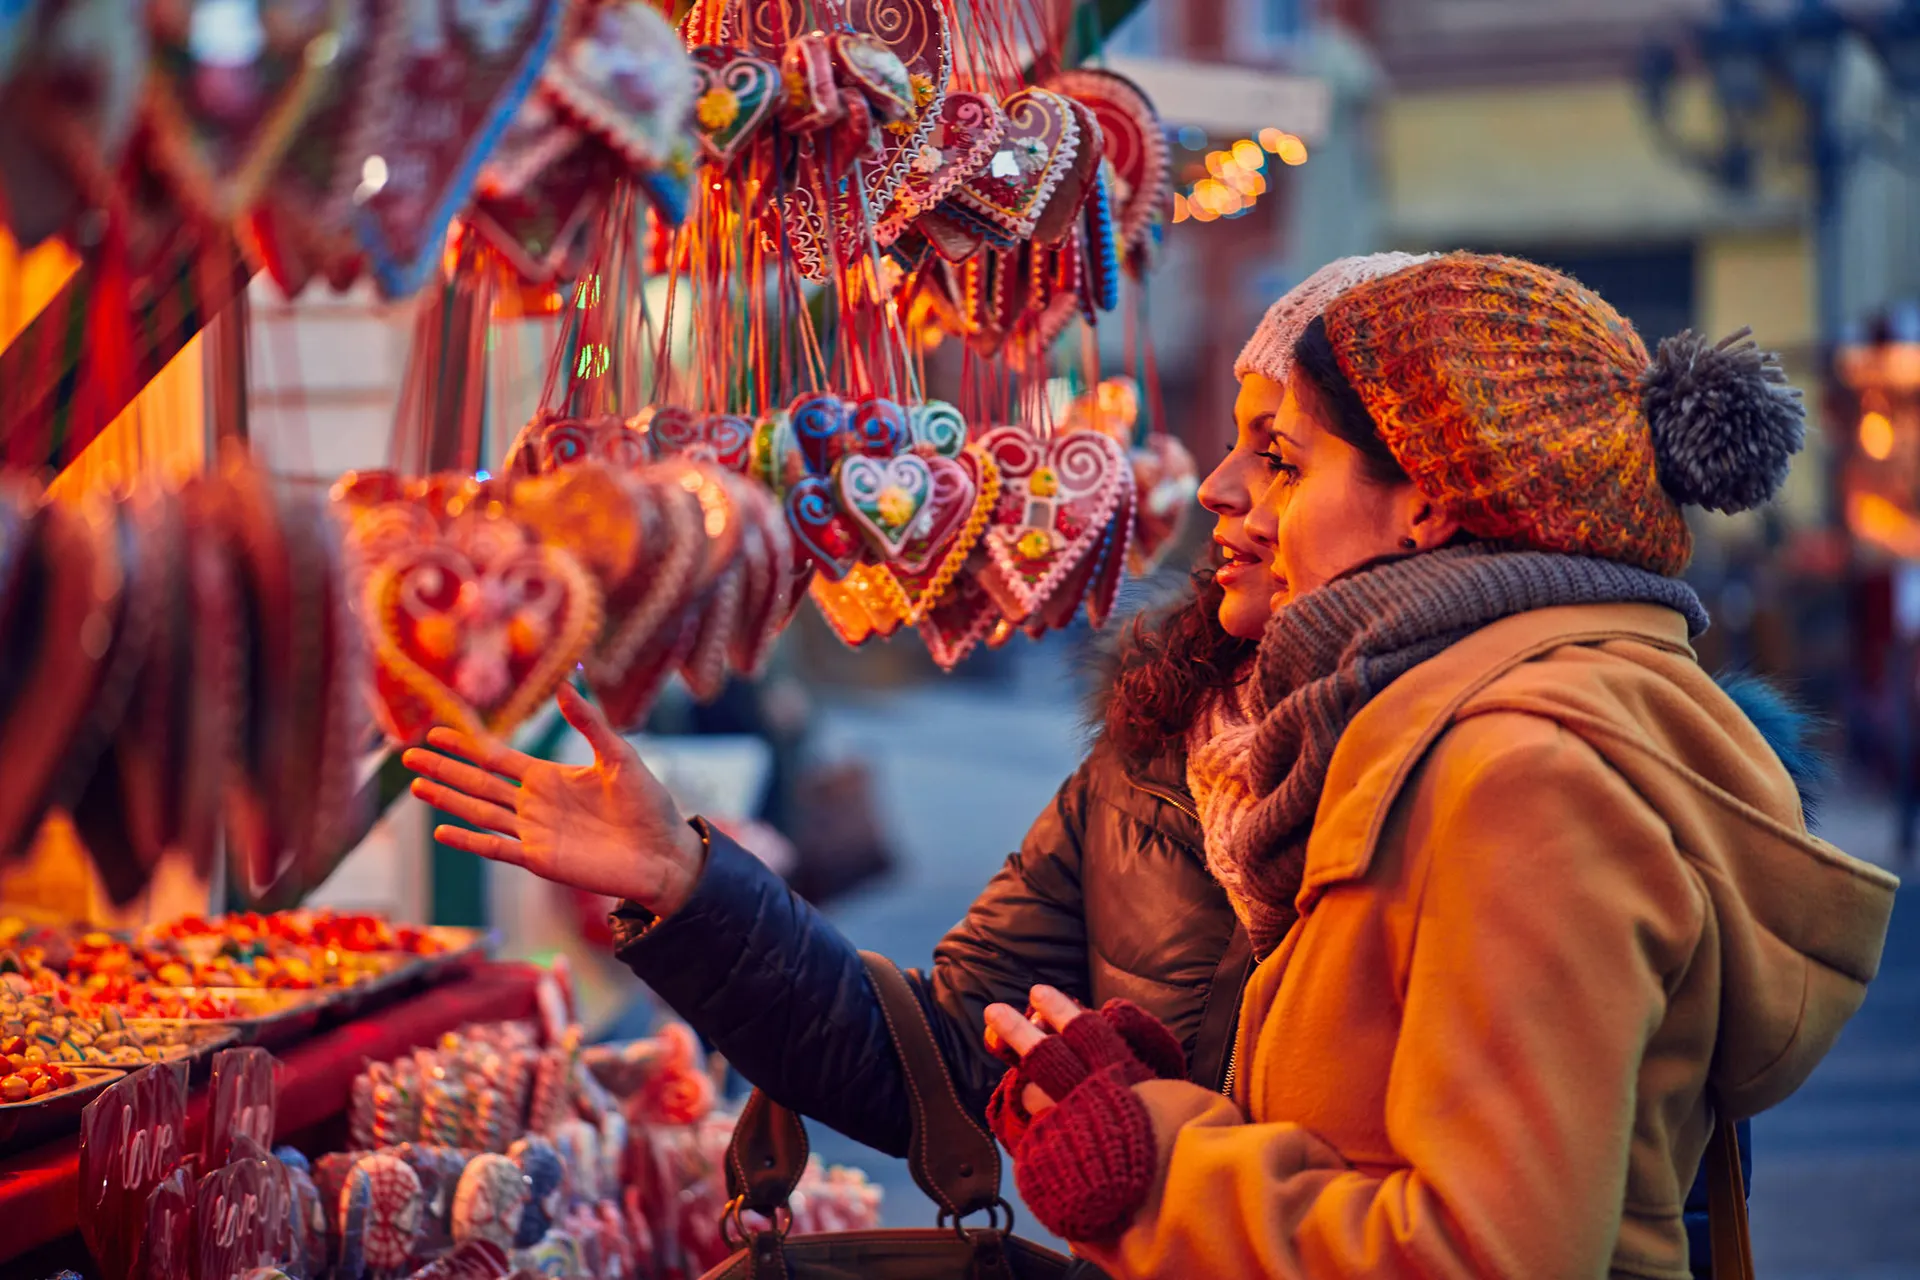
x: 536, y: 228
x: 627, y: 78
x: 470, y: 64
x: 1057, y: 500
x: 968, y: 128
x: 1034, y: 155
x: 1135, y: 144
x: 722, y: 438
x: 734, y: 93
x: 477, y: 629
x: 886, y: 499
x: 829, y: 538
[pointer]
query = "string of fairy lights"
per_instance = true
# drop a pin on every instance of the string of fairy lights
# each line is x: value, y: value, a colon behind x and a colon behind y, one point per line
x: 1236, y: 176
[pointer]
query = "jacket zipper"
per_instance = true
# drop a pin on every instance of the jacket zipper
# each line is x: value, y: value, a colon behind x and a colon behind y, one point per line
x: 1167, y: 796
x: 1233, y: 1066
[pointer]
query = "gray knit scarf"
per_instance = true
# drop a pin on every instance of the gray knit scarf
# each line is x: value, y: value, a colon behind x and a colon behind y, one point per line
x: 1328, y: 653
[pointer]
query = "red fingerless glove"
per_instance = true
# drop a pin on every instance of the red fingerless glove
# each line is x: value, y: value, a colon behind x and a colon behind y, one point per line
x: 1085, y: 1166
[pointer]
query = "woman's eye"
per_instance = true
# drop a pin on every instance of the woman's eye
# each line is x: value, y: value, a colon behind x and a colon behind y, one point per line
x: 1280, y: 465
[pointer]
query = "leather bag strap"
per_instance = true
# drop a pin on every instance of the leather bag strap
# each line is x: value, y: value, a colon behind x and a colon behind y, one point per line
x: 952, y: 1158
x: 1727, y: 1205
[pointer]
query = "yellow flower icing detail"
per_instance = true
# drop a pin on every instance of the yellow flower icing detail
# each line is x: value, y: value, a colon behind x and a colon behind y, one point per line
x: 717, y: 109
x: 922, y: 90
x: 1034, y: 544
x: 895, y: 506
x: 1044, y: 483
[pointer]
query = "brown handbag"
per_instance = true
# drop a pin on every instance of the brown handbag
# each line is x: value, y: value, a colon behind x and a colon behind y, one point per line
x: 952, y: 1158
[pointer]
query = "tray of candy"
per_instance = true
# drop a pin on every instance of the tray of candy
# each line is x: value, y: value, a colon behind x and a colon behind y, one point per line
x: 141, y: 1041
x: 262, y: 1016
x: 414, y: 970
x: 55, y: 1108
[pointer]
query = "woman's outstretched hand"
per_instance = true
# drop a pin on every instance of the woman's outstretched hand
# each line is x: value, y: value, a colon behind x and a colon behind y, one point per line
x: 608, y: 827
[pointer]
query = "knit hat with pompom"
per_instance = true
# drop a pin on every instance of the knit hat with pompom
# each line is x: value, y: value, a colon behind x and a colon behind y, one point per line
x: 1269, y: 352
x: 1526, y: 407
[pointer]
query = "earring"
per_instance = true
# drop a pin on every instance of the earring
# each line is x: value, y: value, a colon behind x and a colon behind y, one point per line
x: 1408, y: 544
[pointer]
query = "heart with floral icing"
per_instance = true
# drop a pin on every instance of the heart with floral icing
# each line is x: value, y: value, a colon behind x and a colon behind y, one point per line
x: 958, y: 620
x: 1034, y: 154
x: 475, y: 630
x: 950, y: 501
x: 1056, y: 502
x: 885, y: 498
x: 821, y: 529
x: 734, y: 93
x: 626, y: 77
x: 1061, y: 215
x: 964, y: 501
x: 965, y: 133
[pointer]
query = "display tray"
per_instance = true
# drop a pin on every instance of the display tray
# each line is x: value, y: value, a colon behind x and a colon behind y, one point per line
x: 198, y: 1039
x: 413, y: 971
x: 267, y: 1017
x: 24, y: 1121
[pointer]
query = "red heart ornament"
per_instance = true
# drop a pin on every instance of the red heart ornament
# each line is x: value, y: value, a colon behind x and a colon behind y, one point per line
x: 476, y: 629
x: 1042, y: 137
x: 646, y: 608
x: 536, y: 228
x: 1136, y: 146
x: 467, y: 71
x: 626, y: 77
x: 725, y: 439
x: 966, y: 130
x: 1061, y: 213
x: 958, y: 620
x: 820, y: 529
x: 810, y: 99
x: 1055, y: 505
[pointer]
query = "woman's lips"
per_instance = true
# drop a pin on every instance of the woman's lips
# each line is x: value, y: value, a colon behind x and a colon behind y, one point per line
x: 1235, y: 565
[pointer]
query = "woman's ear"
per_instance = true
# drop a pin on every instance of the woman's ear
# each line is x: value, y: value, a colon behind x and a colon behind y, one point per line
x: 1430, y: 526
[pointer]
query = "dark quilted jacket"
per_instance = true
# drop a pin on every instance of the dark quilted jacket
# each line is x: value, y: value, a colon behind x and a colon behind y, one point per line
x: 1108, y: 896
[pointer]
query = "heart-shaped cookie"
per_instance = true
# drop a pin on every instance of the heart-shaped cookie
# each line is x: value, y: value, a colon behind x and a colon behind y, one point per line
x: 958, y: 620
x: 536, y: 228
x: 476, y: 630
x: 734, y: 94
x: 1042, y: 137
x: 626, y: 76
x: 1055, y: 505
x: 950, y: 502
x: 929, y: 565
x: 880, y: 427
x: 1136, y: 145
x: 810, y: 99
x: 820, y: 422
x: 937, y: 427
x: 870, y: 66
x: 966, y: 130
x: 725, y: 439
x: 468, y: 69
x: 821, y: 529
x: 1061, y: 216
x: 885, y: 498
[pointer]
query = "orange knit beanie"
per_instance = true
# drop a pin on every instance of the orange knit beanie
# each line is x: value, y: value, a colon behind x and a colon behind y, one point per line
x: 1527, y: 407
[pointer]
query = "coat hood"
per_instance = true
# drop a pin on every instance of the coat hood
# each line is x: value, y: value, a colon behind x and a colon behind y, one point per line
x: 1799, y: 925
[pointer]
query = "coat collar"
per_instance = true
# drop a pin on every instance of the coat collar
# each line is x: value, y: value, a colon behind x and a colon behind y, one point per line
x: 1391, y: 734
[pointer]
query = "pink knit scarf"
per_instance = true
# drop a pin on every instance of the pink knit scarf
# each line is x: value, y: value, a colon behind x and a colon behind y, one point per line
x: 1220, y: 778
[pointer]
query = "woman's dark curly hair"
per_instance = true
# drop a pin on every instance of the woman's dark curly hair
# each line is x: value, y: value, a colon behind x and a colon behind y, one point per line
x: 1171, y: 662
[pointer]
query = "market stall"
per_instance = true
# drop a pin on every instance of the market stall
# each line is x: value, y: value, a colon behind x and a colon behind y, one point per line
x: 820, y: 286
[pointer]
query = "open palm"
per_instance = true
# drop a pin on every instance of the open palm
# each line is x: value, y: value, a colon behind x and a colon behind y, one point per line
x: 607, y: 827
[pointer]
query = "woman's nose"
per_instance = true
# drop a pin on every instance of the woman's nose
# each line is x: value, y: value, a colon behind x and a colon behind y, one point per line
x: 1262, y: 525
x: 1224, y: 491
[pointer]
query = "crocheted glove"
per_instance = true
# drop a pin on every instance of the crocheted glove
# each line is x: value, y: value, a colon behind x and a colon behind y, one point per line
x: 1085, y: 1166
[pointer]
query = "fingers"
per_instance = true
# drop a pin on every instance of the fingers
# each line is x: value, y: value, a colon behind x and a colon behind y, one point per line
x: 481, y: 813
x: 607, y: 745
x: 1053, y: 1009
x: 461, y: 776
x: 485, y: 752
x: 484, y: 843
x: 1014, y: 1031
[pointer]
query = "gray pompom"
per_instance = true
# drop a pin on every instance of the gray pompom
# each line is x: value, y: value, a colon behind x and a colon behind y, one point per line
x: 1726, y: 424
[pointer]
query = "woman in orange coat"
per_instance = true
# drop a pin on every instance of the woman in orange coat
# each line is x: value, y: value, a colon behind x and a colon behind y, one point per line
x: 1535, y: 903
